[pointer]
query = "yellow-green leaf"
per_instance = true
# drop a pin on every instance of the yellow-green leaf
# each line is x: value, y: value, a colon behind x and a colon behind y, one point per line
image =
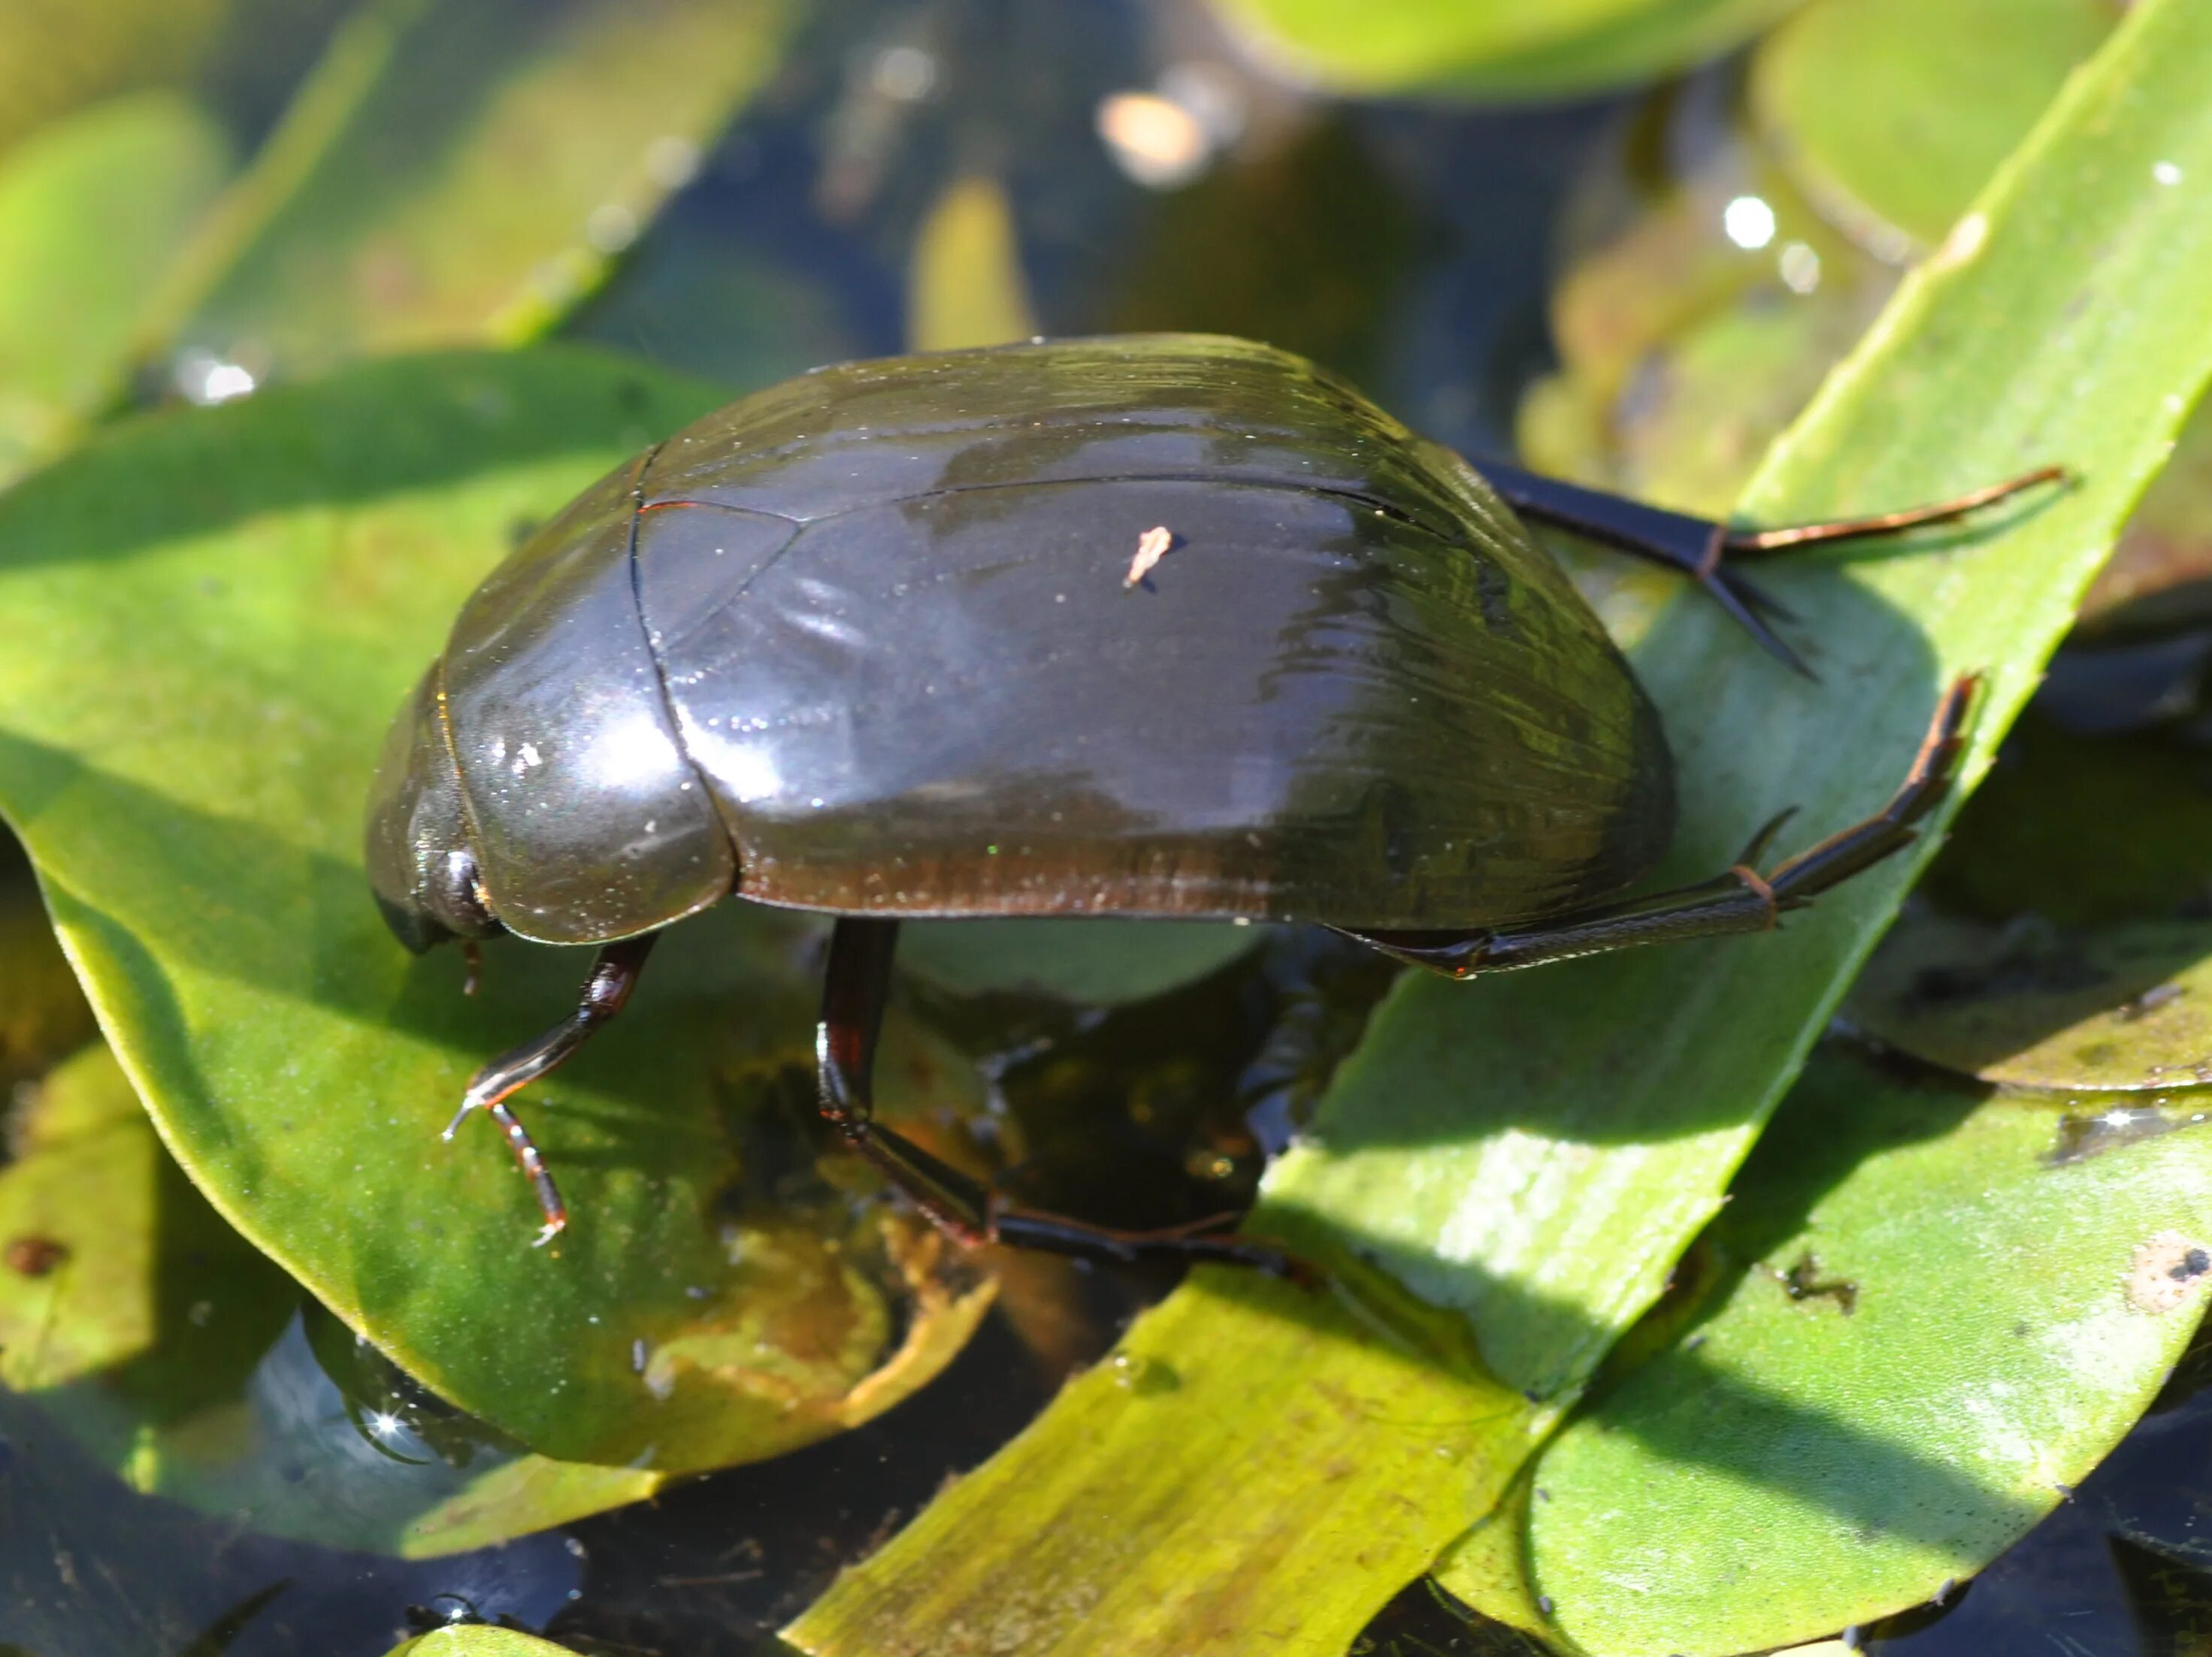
x: 1929, y: 1329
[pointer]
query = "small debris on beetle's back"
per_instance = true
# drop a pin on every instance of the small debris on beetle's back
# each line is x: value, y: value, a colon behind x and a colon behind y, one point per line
x: 1154, y: 544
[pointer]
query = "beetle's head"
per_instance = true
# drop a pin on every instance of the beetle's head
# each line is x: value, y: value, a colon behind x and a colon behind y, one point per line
x: 421, y: 866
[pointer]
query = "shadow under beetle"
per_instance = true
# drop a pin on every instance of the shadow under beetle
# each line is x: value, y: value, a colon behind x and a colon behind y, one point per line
x: 863, y: 643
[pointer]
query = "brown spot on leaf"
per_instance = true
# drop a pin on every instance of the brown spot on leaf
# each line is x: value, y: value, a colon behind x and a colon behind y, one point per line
x: 35, y: 1257
x: 2166, y: 1272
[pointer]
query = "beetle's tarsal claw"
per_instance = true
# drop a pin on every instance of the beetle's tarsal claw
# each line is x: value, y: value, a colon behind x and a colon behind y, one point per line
x: 1755, y: 848
x: 547, y: 1232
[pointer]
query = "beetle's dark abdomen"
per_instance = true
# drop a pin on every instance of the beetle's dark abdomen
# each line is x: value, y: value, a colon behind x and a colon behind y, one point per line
x: 887, y: 602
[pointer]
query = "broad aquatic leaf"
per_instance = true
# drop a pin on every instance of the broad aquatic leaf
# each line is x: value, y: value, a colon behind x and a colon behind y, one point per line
x: 1535, y: 1151
x: 1237, y: 1477
x: 92, y: 209
x: 2126, y: 1007
x: 459, y: 173
x: 1891, y: 114
x: 170, y: 1351
x: 479, y: 1641
x: 1498, y: 48
x: 210, y: 616
x: 1929, y: 1327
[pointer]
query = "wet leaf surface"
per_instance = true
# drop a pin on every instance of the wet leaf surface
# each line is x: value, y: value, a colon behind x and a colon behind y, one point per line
x: 1503, y: 49
x: 91, y: 211
x: 479, y: 1641
x: 1892, y: 114
x: 1535, y: 1152
x: 240, y: 621
x: 2124, y: 1007
x: 461, y: 172
x: 1923, y: 1333
x: 167, y: 1349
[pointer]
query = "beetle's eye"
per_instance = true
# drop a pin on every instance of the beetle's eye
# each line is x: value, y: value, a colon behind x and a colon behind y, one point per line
x: 468, y: 911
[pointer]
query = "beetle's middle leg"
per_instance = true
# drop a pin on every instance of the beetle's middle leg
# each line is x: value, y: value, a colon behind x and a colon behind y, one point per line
x: 1741, y: 901
x: 614, y: 975
x: 856, y: 985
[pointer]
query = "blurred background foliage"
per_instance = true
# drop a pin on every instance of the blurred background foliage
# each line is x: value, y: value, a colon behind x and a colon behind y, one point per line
x: 1626, y: 239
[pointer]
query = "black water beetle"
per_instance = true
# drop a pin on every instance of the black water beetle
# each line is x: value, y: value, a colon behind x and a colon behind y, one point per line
x: 897, y: 638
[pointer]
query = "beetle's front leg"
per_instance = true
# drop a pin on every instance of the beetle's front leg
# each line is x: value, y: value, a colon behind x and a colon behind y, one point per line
x: 856, y: 986
x: 614, y: 975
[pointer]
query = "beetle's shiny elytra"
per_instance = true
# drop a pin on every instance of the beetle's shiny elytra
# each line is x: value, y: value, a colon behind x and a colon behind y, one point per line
x: 869, y: 642
x: 862, y: 643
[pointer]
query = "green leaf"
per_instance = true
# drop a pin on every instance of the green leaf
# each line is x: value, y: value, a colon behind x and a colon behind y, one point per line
x: 1534, y: 1152
x: 1926, y: 1332
x: 1154, y: 1507
x: 463, y: 172
x: 210, y: 616
x: 169, y: 1351
x: 91, y: 210
x: 1499, y: 49
x: 478, y: 1641
x: 1891, y: 114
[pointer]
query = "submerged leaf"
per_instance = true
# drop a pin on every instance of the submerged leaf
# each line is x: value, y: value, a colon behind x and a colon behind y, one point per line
x: 210, y: 617
x: 2118, y: 1007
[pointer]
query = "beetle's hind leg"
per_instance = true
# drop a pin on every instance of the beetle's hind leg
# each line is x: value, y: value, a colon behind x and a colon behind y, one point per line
x: 614, y: 975
x: 1741, y: 901
x: 855, y: 987
x: 1707, y: 551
